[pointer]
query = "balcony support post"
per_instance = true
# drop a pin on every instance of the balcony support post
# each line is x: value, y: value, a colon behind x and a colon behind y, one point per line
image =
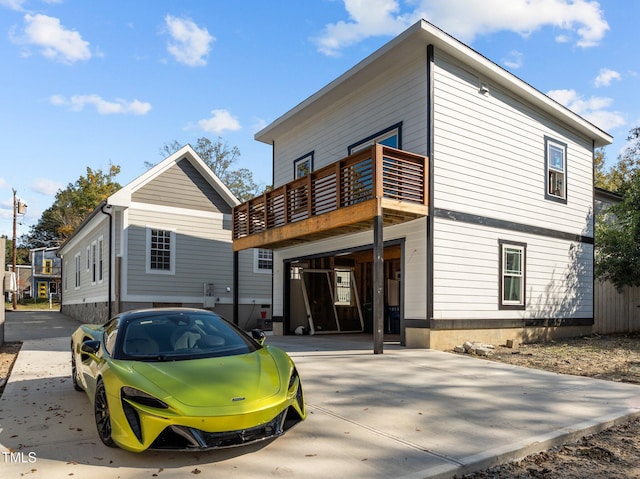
x: 378, y: 282
x: 236, y: 283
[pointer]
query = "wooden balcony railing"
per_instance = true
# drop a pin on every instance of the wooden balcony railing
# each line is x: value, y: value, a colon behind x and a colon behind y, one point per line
x: 395, y: 179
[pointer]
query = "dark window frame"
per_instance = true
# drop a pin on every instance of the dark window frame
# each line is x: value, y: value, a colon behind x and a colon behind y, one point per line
x: 548, y: 142
x: 501, y: 304
x: 398, y: 126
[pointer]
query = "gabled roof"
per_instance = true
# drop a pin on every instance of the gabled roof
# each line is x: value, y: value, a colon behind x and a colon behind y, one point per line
x: 123, y: 196
x: 405, y: 45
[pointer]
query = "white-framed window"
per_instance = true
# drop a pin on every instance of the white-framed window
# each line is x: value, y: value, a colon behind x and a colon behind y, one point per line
x: 390, y: 136
x: 303, y: 166
x: 100, y: 259
x: 66, y: 275
x: 94, y: 262
x: 512, y: 275
x: 161, y: 248
x: 556, y: 170
x: 88, y: 258
x: 342, y: 287
x: 77, y: 270
x: 262, y: 261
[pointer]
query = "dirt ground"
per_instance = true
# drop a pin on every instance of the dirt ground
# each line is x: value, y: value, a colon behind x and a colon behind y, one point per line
x: 610, y: 454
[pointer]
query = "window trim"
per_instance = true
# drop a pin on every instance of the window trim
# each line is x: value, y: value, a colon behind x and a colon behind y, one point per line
x: 100, y: 259
x: 511, y: 305
x: 78, y: 266
x: 376, y: 138
x: 548, y: 143
x: 256, y: 261
x: 94, y: 262
x: 308, y: 157
x: 172, y: 251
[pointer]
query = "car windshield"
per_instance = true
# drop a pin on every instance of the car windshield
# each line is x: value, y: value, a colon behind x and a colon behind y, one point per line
x: 175, y: 335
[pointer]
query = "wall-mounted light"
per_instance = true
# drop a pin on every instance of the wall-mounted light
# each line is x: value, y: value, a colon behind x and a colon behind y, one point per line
x: 484, y: 89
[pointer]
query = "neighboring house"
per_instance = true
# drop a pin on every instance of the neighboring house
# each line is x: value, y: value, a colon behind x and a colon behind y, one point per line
x: 22, y: 281
x: 46, y: 272
x: 164, y: 240
x: 470, y: 219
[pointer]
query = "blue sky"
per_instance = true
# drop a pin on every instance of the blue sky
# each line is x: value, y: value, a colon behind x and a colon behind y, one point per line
x: 94, y: 83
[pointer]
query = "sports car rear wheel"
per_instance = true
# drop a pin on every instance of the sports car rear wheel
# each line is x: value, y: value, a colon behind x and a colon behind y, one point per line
x: 103, y: 418
x: 74, y: 373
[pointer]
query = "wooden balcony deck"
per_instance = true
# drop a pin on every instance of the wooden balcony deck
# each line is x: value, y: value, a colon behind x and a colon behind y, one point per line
x: 338, y: 199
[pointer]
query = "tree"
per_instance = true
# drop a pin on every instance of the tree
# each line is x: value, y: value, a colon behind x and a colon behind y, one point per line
x: 621, y: 174
x: 71, y: 206
x: 618, y: 227
x: 22, y: 254
x: 220, y: 157
x: 618, y: 239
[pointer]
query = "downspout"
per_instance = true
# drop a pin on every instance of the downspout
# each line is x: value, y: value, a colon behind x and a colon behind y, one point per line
x: 110, y: 280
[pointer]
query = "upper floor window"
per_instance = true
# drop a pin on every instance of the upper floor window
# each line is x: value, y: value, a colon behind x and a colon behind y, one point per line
x: 262, y: 260
x: 512, y: 275
x: 100, y: 258
x: 77, y: 270
x: 303, y: 166
x: 391, y: 136
x: 48, y: 266
x: 556, y: 170
x: 160, y: 251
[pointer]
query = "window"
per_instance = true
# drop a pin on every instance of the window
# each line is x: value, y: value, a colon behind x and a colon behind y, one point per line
x: 48, y: 266
x: 303, y: 166
x: 262, y: 261
x: 556, y: 170
x: 100, y: 258
x: 94, y: 262
x: 88, y: 257
x: 77, y: 272
x: 66, y: 275
x: 389, y: 137
x: 160, y: 251
x: 343, y: 287
x: 512, y: 275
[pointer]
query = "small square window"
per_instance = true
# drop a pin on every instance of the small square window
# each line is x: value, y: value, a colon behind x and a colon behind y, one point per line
x: 303, y: 166
x: 262, y: 260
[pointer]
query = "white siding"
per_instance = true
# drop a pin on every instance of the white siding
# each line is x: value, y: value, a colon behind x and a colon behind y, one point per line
x: 466, y: 274
x: 489, y: 156
x: 399, y: 96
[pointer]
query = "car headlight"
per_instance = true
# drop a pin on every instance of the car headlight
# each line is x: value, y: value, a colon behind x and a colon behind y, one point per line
x: 141, y: 397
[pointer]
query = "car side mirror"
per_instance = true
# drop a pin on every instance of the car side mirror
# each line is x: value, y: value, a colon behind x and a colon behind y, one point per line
x: 90, y: 347
x: 258, y: 335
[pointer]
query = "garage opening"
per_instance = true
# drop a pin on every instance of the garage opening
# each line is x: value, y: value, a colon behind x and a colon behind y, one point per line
x: 334, y: 294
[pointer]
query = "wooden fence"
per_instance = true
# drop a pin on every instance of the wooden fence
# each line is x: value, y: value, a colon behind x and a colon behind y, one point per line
x: 616, y: 311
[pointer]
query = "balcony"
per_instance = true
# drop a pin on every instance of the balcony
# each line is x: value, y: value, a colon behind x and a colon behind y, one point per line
x: 338, y: 199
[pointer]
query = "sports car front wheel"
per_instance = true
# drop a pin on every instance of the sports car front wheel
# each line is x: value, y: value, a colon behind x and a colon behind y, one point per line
x: 103, y: 418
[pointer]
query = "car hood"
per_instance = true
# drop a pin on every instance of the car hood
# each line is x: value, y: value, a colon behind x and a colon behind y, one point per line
x: 215, y: 382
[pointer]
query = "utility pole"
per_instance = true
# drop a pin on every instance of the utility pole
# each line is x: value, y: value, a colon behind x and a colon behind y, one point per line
x: 18, y: 208
x: 15, y: 249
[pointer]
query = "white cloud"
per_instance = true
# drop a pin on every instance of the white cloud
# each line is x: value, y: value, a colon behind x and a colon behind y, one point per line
x: 56, y: 42
x: 605, y: 77
x: 368, y: 18
x: 13, y: 4
x: 514, y: 60
x: 594, y: 109
x: 220, y: 121
x: 103, y: 107
x: 3, y: 183
x: 45, y: 186
x: 190, y: 44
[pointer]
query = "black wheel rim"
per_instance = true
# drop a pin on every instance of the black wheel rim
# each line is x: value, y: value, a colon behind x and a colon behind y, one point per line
x: 103, y: 420
x: 74, y: 373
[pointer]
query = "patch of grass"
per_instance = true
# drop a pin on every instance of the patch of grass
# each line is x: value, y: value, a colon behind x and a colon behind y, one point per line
x: 31, y: 304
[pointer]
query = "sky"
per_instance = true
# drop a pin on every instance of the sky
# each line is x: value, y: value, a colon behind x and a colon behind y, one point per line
x: 87, y: 84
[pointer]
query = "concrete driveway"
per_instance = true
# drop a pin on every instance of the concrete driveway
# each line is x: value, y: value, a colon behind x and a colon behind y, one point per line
x: 404, y: 414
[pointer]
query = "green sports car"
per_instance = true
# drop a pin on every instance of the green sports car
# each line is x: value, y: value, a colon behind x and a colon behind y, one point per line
x: 184, y: 379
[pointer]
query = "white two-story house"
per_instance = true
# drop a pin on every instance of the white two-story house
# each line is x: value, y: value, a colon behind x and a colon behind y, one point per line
x: 164, y: 239
x: 429, y: 192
